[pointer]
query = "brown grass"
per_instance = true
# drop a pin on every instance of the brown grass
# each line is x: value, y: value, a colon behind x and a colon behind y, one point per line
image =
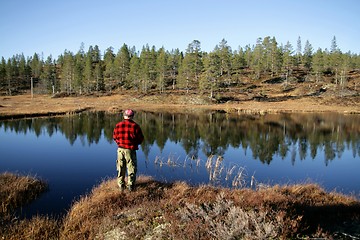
x: 38, y: 227
x: 157, y: 210
x: 21, y: 106
x: 179, y: 211
x: 18, y: 190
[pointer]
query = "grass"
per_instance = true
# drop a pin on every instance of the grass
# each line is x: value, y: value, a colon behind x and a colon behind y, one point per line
x: 15, y: 192
x: 159, y: 210
x: 18, y: 190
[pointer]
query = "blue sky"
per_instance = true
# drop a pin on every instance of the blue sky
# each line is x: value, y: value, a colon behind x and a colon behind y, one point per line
x: 49, y: 27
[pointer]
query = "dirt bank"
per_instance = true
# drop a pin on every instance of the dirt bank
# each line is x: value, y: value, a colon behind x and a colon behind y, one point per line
x: 42, y: 105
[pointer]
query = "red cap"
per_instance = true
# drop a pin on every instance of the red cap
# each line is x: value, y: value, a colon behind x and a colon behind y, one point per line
x: 128, y: 113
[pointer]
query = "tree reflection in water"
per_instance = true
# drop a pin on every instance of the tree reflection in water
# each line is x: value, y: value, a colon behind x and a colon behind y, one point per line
x: 211, y: 134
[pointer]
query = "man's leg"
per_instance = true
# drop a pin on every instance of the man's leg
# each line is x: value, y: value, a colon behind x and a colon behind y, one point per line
x: 121, y: 168
x: 131, y: 162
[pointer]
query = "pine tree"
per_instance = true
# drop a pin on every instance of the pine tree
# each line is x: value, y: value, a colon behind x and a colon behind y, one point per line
x: 335, y: 59
x: 266, y: 46
x: 148, y: 68
x: 174, y: 62
x: 99, y: 79
x: 9, y: 76
x: 213, y: 69
x: 224, y: 52
x: 287, y: 52
x: 109, y: 72
x: 88, y: 71
x: 184, y: 76
x: 237, y: 64
x: 36, y: 66
x: 22, y: 69
x: 2, y: 73
x: 196, y: 54
x: 67, y: 72
x: 248, y: 55
x: 97, y: 69
x: 192, y: 66
x: 258, y: 58
x: 307, y: 56
x: 345, y: 66
x: 161, y: 63
x: 276, y: 59
x: 298, y: 56
x: 79, y: 65
x: 318, y: 64
x: 134, y: 76
x: 49, y: 75
x: 122, y: 65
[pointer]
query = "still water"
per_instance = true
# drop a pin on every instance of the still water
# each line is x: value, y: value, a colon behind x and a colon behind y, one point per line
x: 75, y: 153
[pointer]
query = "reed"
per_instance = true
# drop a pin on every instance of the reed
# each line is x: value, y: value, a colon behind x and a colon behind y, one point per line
x: 215, y: 166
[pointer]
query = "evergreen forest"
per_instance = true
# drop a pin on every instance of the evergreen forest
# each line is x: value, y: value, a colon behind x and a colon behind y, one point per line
x: 161, y: 70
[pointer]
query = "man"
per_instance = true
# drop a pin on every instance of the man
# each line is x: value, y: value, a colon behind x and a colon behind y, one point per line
x: 128, y: 136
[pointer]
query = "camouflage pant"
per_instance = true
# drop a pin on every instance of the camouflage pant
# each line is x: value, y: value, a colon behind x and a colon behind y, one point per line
x: 126, y: 159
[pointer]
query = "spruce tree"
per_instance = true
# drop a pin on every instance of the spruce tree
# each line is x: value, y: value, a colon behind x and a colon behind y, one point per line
x: 109, y: 72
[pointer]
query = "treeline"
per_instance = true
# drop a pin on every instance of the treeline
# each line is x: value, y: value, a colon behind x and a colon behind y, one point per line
x: 161, y: 69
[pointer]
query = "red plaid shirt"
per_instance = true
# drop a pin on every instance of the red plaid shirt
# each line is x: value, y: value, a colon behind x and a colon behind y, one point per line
x: 127, y: 134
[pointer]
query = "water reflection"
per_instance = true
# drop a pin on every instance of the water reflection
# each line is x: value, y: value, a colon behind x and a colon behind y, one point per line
x: 197, y: 148
x: 214, y: 132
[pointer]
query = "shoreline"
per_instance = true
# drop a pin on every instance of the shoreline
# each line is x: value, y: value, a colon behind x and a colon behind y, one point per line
x: 25, y: 106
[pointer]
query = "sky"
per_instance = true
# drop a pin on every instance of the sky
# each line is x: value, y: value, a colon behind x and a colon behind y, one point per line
x: 49, y: 27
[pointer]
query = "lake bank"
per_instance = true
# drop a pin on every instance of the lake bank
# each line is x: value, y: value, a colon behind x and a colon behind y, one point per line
x: 177, y: 210
x: 21, y: 106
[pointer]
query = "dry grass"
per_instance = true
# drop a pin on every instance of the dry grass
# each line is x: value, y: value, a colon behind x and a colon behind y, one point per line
x: 18, y: 190
x: 38, y: 227
x: 178, y: 211
x: 43, y: 105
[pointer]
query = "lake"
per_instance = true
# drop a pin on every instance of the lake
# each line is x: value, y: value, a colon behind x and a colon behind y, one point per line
x: 74, y: 153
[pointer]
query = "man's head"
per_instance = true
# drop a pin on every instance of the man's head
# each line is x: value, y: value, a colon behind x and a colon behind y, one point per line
x: 128, y: 114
